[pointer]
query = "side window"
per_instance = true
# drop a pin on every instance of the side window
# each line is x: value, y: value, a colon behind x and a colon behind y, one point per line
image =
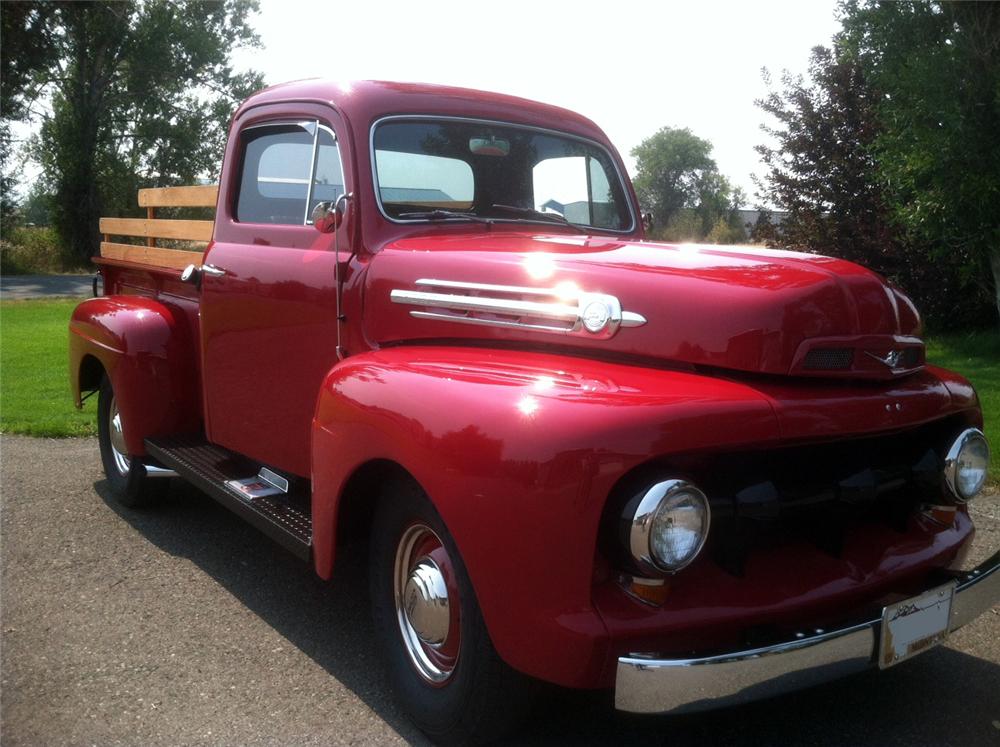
x: 287, y: 169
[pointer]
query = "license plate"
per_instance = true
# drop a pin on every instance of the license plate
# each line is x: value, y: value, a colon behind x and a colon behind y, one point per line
x: 914, y: 625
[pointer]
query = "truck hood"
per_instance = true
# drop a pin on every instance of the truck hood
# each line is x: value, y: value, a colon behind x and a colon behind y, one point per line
x: 746, y: 309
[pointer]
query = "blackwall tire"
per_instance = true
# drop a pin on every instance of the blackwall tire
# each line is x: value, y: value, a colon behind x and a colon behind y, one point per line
x: 126, y: 475
x: 441, y: 663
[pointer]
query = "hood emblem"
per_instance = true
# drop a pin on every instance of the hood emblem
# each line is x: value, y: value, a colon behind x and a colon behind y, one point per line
x: 562, y: 310
x: 892, y: 359
x: 596, y: 316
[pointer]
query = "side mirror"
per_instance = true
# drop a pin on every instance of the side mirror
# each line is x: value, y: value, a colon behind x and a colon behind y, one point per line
x: 326, y: 216
x: 647, y: 221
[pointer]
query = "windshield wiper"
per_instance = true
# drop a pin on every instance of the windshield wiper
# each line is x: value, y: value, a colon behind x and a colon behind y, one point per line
x: 539, y: 215
x: 445, y: 215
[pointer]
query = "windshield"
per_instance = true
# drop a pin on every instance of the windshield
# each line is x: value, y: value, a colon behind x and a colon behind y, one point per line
x: 465, y: 170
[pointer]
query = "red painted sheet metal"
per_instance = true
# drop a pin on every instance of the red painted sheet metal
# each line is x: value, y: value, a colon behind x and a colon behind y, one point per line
x: 520, y: 450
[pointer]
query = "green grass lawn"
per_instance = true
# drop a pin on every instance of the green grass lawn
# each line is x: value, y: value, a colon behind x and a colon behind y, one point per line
x: 977, y: 357
x: 35, y: 396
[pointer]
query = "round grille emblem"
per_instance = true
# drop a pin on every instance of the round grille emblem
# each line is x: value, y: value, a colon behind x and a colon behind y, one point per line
x: 596, y: 316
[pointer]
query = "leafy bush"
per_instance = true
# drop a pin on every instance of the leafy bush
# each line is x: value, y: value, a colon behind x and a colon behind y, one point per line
x: 724, y: 232
x: 684, y: 226
x: 687, y: 226
x: 35, y: 251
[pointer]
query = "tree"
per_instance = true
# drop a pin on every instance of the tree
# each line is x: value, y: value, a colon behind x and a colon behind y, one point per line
x: 26, y: 35
x: 676, y: 171
x: 820, y: 169
x: 935, y: 68
x: 140, y: 94
x: 826, y: 170
x: 36, y: 208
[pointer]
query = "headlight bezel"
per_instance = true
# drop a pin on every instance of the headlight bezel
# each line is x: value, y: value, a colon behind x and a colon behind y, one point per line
x: 951, y: 464
x: 641, y: 522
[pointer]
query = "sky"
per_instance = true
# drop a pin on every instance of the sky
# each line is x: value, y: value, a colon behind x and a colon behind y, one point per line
x: 632, y: 67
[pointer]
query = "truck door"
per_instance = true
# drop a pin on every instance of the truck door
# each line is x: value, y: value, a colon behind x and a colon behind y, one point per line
x: 268, y: 303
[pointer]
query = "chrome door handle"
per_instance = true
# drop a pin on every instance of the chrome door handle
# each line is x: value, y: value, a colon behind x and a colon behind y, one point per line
x: 215, y: 272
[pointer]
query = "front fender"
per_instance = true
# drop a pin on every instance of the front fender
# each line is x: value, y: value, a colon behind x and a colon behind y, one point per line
x: 518, y: 452
x: 145, y: 347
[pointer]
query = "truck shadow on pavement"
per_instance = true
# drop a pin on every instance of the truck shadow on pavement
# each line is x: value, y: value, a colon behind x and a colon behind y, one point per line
x: 943, y: 697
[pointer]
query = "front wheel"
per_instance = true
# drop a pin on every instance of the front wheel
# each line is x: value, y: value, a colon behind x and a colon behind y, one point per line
x: 441, y: 662
x: 126, y: 475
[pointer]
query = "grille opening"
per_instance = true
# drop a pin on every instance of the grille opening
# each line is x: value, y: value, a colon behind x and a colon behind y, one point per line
x: 829, y: 359
x: 816, y: 493
x: 911, y: 358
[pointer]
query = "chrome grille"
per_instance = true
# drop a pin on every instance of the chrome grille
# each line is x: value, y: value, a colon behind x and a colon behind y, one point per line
x: 563, y: 310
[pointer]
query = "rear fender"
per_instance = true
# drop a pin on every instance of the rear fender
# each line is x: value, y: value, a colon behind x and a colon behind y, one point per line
x: 518, y: 452
x: 145, y: 347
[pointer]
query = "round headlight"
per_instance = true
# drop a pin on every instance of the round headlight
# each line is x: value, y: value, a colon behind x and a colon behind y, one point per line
x: 669, y: 527
x: 966, y: 465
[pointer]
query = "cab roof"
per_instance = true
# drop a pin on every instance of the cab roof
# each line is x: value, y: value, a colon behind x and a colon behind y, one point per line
x: 364, y: 102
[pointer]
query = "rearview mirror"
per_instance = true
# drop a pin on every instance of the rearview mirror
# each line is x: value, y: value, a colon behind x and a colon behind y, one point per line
x: 326, y: 216
x: 489, y: 146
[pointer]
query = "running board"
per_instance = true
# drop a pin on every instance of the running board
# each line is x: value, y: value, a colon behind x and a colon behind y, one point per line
x: 284, y: 517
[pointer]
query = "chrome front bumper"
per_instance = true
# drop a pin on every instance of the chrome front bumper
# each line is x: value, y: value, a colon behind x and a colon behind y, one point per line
x: 646, y: 684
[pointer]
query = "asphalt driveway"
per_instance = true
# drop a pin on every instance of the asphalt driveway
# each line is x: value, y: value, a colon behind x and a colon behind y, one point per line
x: 183, y: 626
x: 21, y: 287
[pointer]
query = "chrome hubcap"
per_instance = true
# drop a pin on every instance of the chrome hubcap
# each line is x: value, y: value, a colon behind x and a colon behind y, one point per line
x: 425, y: 603
x: 118, y: 450
x: 427, y: 607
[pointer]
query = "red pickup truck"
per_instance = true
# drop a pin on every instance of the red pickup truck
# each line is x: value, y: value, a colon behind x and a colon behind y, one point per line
x: 429, y: 316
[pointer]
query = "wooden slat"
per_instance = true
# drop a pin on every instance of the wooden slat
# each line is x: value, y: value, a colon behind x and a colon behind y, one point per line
x: 201, y: 196
x: 150, y: 255
x: 191, y: 230
x: 151, y: 215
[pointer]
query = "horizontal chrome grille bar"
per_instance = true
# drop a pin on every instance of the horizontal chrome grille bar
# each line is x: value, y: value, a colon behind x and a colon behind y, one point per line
x: 594, y: 315
x: 494, y: 305
x: 489, y: 322
x: 568, y: 292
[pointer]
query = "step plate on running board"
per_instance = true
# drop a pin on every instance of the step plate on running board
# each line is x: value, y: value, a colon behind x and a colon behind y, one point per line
x: 284, y: 518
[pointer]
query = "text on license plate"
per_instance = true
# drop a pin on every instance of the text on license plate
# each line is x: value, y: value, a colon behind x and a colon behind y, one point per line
x: 914, y: 625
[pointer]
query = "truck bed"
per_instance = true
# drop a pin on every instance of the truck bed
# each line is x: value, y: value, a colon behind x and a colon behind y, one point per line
x: 147, y: 254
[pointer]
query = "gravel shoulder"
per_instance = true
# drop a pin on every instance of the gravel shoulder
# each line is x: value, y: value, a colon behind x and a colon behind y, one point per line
x: 182, y: 625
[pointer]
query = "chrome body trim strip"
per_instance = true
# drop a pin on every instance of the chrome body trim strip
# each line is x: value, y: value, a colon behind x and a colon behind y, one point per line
x: 596, y: 315
x: 647, y: 684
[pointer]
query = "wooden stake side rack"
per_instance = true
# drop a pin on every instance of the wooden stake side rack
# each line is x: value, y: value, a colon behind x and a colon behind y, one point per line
x: 152, y: 228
